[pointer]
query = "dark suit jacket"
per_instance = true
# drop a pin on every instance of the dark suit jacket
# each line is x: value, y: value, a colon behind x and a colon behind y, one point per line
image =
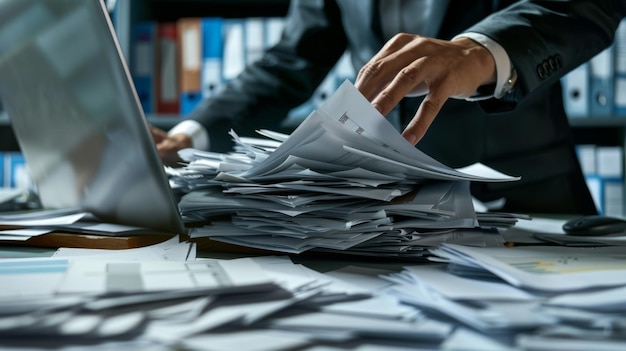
x: 525, y: 134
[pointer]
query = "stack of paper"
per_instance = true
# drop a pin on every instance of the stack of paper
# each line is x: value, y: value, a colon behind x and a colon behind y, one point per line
x: 345, y: 179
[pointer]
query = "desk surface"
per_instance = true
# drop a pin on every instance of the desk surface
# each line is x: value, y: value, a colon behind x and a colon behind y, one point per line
x: 325, y: 264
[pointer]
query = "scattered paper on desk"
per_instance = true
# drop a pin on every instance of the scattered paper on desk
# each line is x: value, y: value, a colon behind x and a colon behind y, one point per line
x: 9, y: 194
x: 67, y: 221
x: 22, y: 234
x: 33, y: 221
x: 255, y: 340
x: 323, y: 324
x: 102, y: 277
x: 608, y: 300
x: 169, y: 250
x: 542, y: 225
x: 35, y: 277
x: 436, y: 277
x: 545, y: 268
x: 26, y: 278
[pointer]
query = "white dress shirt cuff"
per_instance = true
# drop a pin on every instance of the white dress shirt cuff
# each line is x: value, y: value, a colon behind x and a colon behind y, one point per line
x: 198, y: 134
x: 504, y: 69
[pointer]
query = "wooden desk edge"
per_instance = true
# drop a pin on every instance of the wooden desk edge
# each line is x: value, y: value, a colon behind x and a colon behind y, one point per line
x: 89, y: 241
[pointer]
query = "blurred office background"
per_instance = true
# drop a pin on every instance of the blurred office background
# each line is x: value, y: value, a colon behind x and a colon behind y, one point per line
x: 181, y: 51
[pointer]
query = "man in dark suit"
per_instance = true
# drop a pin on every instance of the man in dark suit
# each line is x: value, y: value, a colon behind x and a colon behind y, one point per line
x: 502, y: 75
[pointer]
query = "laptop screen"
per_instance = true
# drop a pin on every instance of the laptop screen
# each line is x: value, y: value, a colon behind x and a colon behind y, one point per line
x: 76, y: 115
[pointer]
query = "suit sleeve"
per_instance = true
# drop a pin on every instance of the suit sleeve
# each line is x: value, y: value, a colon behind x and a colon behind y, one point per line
x: 545, y: 39
x: 286, y: 76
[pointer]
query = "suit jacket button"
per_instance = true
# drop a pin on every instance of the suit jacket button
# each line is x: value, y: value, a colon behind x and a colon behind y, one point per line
x: 541, y: 71
x: 552, y: 63
x: 558, y: 61
x: 547, y: 68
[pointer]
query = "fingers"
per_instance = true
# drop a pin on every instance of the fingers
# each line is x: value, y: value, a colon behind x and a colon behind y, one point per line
x: 424, y: 117
x: 411, y: 65
x: 410, y: 78
x: 438, y: 86
x: 157, y: 134
x: 168, y: 151
x: 374, y: 76
x: 175, y: 142
x: 169, y: 145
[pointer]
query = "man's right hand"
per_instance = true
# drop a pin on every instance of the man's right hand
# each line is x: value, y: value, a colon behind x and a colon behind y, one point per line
x: 411, y: 65
x: 169, y: 145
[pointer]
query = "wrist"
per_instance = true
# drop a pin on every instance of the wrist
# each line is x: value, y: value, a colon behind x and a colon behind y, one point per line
x: 478, y: 53
x: 182, y: 141
x: 505, y: 74
x: 195, y: 131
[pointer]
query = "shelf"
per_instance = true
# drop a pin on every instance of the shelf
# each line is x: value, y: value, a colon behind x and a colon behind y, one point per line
x: 170, y: 10
x: 601, y: 136
x: 164, y: 122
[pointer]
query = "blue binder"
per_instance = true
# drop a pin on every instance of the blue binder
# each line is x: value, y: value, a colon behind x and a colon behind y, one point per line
x: 601, y: 97
x: 3, y: 157
x: 17, y: 169
x: 143, y: 42
x: 212, y: 53
x: 620, y: 70
x: 576, y: 92
x: 188, y: 101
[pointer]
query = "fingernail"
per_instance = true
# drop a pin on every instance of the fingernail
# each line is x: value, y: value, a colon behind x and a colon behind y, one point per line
x: 411, y: 139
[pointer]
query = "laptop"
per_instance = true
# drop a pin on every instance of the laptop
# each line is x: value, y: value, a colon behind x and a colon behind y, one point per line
x: 76, y: 115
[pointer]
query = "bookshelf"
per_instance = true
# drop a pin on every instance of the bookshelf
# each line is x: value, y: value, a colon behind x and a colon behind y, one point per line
x: 128, y: 12
x: 127, y: 15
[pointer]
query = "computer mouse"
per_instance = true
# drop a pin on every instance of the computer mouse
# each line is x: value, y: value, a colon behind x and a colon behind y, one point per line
x: 594, y: 225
